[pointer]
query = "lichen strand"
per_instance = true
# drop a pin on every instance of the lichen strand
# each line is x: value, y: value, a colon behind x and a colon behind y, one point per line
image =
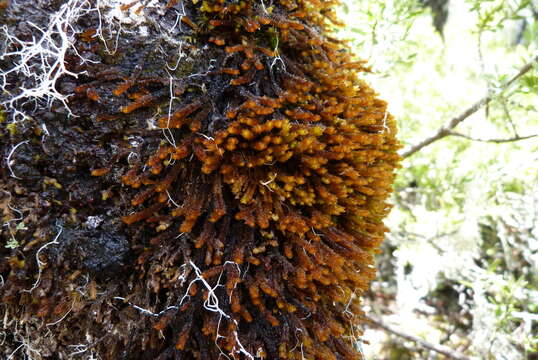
x: 254, y: 221
x: 304, y: 157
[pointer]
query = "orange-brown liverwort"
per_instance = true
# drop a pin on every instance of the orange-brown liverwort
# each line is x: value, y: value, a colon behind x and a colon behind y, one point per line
x: 261, y: 202
x: 291, y: 188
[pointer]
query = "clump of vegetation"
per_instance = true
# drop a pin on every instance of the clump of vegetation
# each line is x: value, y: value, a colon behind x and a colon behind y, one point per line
x: 211, y: 183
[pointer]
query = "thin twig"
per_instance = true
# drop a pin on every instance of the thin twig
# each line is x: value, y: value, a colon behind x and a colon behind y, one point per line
x: 497, y: 141
x: 441, y: 349
x: 445, y: 129
x: 509, y: 117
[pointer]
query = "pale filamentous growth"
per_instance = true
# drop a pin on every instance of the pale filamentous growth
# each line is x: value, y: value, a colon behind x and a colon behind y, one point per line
x: 38, y: 63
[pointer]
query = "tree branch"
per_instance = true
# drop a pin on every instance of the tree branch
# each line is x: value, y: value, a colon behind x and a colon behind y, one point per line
x: 441, y: 349
x: 497, y: 141
x: 446, y: 129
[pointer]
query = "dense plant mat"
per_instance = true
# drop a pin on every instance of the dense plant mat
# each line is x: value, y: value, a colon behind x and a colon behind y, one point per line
x: 202, y: 180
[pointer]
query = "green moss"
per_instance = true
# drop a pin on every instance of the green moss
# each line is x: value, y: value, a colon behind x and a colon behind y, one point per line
x: 12, y: 129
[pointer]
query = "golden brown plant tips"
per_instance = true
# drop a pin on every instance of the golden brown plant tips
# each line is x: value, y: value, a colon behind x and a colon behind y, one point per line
x: 305, y: 166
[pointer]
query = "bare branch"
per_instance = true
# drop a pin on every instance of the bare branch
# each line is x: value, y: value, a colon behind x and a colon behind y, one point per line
x: 509, y: 117
x: 497, y: 141
x: 441, y: 349
x: 446, y: 129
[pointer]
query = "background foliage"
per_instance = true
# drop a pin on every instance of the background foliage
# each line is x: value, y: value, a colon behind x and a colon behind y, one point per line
x: 459, y: 267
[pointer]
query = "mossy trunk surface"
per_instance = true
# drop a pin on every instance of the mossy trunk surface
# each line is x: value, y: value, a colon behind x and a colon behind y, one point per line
x: 186, y: 180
